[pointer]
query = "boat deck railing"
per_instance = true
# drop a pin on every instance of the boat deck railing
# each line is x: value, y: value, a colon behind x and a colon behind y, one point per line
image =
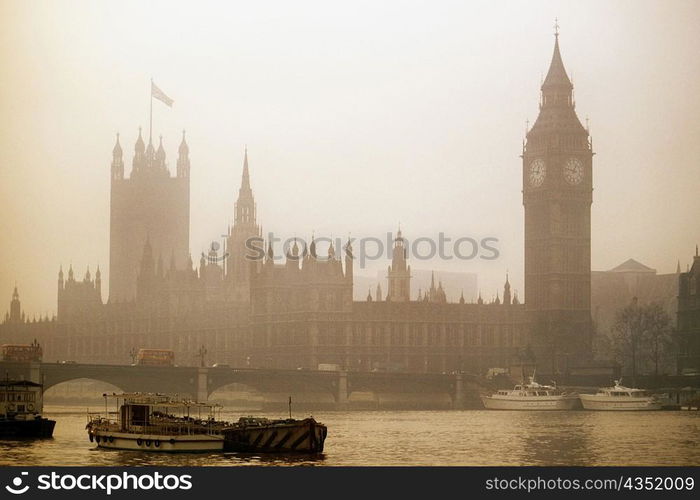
x: 162, y: 426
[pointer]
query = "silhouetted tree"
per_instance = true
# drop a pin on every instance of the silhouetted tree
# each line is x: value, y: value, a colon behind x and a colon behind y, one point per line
x: 640, y: 330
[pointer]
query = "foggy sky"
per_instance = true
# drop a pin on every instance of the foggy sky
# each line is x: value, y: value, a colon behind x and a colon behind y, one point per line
x: 357, y: 116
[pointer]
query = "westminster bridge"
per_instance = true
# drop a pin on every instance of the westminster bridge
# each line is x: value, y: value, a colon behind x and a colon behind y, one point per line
x: 456, y: 390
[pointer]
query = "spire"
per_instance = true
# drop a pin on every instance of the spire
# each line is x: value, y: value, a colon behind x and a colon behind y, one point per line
x: 556, y: 76
x: 506, y: 291
x: 245, y: 181
x: 312, y: 247
x: 117, y: 150
x: 331, y: 250
x: 184, y: 149
x: 678, y: 267
x: 245, y: 205
x: 183, y: 158
x: 160, y: 154
x: 379, y: 292
x: 140, y: 146
x: 461, y: 298
x: 270, y: 252
x: 369, y: 294
x: 117, y: 161
x: 15, y: 293
x: 295, y: 249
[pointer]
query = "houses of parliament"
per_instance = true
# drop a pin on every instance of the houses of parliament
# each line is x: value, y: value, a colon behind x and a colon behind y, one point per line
x: 299, y: 312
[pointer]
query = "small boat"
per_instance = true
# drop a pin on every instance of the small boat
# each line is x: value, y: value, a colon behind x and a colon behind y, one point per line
x: 531, y: 396
x: 160, y: 423
x: 21, y: 405
x: 620, y: 398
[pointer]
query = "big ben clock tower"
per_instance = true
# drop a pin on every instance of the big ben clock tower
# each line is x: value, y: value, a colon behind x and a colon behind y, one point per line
x: 557, y: 196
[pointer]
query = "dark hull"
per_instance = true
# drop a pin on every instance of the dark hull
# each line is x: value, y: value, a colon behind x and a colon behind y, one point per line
x: 301, y: 436
x: 39, y: 428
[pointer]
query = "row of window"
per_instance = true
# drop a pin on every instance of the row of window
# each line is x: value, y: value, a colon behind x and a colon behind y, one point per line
x: 17, y: 397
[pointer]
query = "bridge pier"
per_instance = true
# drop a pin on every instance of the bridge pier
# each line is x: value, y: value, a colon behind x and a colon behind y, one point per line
x: 458, y: 397
x: 342, y: 396
x: 202, y: 385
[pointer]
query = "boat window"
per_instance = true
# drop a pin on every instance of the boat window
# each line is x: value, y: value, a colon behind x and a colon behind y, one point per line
x: 523, y: 393
x: 139, y: 414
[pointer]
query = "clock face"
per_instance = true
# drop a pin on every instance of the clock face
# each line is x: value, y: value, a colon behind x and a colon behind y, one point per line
x: 573, y: 171
x: 538, y: 170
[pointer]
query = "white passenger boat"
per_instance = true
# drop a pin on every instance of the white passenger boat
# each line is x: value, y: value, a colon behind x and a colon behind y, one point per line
x: 531, y: 396
x: 156, y: 422
x: 620, y: 398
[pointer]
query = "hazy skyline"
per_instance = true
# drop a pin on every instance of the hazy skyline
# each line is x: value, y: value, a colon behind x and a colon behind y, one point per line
x: 357, y: 117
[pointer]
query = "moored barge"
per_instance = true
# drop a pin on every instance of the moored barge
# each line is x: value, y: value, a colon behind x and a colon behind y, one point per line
x: 160, y: 423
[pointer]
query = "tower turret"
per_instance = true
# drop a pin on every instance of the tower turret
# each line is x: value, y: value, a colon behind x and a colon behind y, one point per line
x: 117, y: 161
x: 506, y: 292
x: 160, y: 155
x: 139, y: 161
x: 349, y: 267
x: 183, y: 158
x: 15, y: 307
x: 399, y: 274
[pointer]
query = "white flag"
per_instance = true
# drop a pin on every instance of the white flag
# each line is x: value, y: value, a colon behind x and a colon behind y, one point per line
x: 160, y: 95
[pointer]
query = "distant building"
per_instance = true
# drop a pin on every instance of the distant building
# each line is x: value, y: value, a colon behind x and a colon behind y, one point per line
x: 614, y: 289
x: 688, y: 333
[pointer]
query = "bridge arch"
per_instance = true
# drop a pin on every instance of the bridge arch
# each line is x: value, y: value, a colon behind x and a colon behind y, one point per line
x: 79, y: 389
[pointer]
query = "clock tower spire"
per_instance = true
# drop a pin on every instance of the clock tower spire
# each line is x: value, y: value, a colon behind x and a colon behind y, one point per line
x: 557, y: 197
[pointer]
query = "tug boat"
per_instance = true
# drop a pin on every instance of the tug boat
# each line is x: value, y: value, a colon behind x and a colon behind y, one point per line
x: 160, y: 423
x: 531, y: 396
x: 620, y: 398
x: 21, y: 404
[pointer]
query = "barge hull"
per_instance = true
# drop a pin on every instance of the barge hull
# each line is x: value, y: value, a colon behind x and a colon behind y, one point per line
x: 305, y: 436
x: 37, y: 428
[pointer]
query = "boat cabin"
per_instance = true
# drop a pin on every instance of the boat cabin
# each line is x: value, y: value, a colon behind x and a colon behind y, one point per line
x: 19, y: 396
x: 138, y: 412
x: 624, y: 392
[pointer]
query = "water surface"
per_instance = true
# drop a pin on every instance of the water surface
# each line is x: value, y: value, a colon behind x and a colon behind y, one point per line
x: 470, y: 437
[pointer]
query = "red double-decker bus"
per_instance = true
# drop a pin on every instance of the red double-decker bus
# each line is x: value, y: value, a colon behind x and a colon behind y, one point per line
x: 155, y: 357
x: 22, y: 352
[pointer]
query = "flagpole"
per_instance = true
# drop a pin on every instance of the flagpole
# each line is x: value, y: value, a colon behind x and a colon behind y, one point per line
x: 150, y: 126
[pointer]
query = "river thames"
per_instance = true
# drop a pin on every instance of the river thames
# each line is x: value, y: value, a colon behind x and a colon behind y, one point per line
x: 438, y: 438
